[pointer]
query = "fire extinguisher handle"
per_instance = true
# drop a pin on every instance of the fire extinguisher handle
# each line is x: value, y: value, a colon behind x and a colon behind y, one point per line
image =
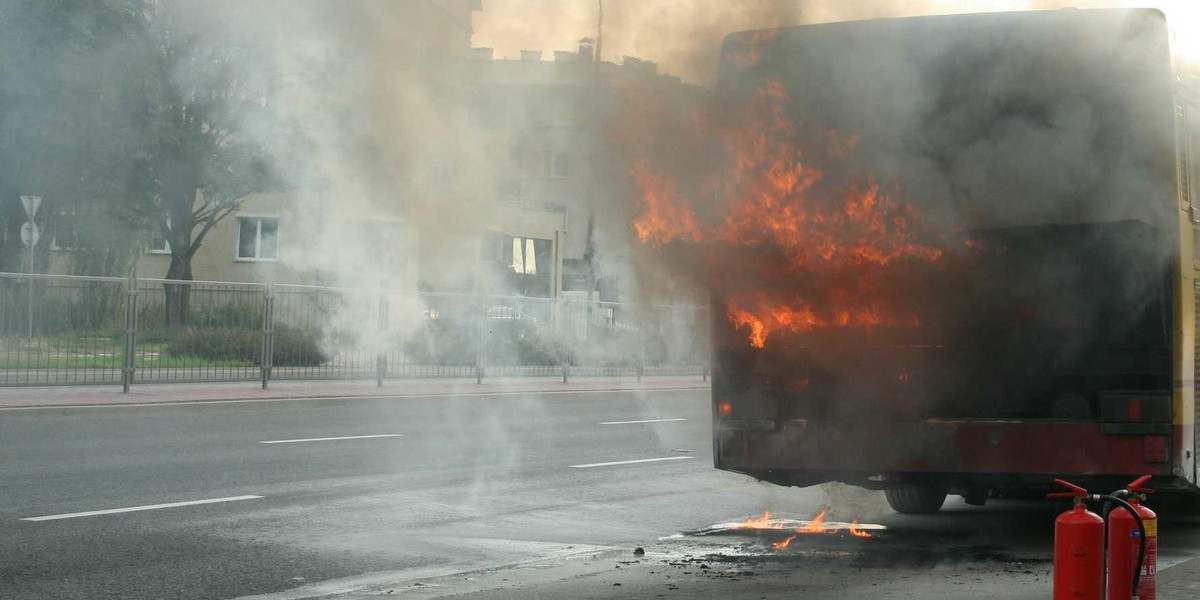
x: 1139, y: 485
x: 1075, y: 492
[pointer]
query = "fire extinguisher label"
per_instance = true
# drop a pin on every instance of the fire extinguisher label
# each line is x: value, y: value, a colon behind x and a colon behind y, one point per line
x: 1147, y: 582
x: 1151, y: 528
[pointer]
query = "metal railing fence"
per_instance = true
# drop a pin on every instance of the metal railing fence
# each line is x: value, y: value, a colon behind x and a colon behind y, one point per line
x: 60, y: 329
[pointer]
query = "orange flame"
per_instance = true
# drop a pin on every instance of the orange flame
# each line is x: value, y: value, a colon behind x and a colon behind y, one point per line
x: 780, y: 545
x: 856, y: 532
x: 667, y: 216
x: 763, y: 522
x: 816, y: 525
x: 776, y: 196
x: 766, y: 317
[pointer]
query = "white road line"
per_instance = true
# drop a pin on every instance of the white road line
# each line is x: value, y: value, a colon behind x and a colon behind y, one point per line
x: 113, y: 511
x: 630, y: 462
x: 328, y: 439
x: 643, y: 421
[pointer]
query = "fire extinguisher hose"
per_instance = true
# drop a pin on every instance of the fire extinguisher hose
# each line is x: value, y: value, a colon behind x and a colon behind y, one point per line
x: 1137, y: 573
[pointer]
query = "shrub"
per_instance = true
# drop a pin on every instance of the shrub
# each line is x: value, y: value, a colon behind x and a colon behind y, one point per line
x: 507, y: 342
x: 443, y: 342
x: 157, y: 335
x: 291, y: 348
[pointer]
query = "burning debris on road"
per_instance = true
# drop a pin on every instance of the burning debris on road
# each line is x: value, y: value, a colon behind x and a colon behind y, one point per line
x: 766, y: 524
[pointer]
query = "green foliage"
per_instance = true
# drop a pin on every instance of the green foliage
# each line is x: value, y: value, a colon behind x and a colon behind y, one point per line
x: 292, y: 348
x: 158, y: 335
x: 74, y: 116
x: 117, y: 112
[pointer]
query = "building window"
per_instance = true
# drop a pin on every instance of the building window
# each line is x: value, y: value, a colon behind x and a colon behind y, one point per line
x: 524, y: 258
x: 511, y: 184
x: 159, y: 244
x: 562, y: 111
x: 556, y: 165
x: 511, y: 188
x: 489, y: 108
x: 258, y: 238
x: 518, y: 265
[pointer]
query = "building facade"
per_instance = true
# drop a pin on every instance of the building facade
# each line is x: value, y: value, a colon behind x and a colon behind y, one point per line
x: 508, y: 208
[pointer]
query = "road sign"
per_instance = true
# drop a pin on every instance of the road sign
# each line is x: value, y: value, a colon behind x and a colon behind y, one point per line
x: 30, y: 234
x: 31, y: 204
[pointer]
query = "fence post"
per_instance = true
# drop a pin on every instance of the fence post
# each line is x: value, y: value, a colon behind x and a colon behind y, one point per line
x: 29, y: 304
x: 127, y: 368
x: 268, y: 335
x: 382, y: 327
x: 481, y: 315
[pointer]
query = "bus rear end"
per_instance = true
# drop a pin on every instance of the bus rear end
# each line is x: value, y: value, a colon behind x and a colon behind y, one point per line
x: 951, y: 257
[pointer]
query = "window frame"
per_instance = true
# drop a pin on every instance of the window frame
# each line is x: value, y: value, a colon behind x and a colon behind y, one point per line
x: 1191, y: 154
x: 166, y: 249
x: 237, y: 238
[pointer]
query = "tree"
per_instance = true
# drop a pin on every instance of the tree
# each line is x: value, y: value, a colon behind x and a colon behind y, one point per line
x: 209, y: 112
x: 71, y: 117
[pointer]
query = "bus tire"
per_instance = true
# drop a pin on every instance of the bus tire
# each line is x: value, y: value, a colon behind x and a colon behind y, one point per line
x: 912, y: 499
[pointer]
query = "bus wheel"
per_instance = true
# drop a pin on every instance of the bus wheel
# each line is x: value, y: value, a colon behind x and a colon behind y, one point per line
x: 912, y: 499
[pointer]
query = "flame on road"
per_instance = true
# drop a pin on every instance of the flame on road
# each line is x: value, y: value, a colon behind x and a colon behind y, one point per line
x: 763, y: 522
x: 785, y: 543
x: 816, y: 526
x: 856, y: 532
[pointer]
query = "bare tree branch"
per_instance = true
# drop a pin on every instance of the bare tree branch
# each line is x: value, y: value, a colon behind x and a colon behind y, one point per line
x: 210, y: 223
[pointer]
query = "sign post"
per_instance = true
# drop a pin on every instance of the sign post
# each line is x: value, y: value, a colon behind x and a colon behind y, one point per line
x: 30, y: 234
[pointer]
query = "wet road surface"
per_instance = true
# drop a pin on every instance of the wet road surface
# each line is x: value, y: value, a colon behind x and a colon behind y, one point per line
x: 491, y: 496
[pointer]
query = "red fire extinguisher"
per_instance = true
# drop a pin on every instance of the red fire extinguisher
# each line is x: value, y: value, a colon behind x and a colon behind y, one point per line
x: 1124, y: 541
x: 1078, y: 549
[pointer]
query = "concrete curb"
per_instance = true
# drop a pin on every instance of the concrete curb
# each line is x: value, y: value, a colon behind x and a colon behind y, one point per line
x: 68, y: 396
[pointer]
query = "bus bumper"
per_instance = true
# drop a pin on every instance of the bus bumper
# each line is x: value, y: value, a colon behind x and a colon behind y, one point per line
x: 964, y: 453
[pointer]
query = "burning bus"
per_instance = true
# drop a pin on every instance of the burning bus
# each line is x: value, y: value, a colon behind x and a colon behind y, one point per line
x: 951, y: 255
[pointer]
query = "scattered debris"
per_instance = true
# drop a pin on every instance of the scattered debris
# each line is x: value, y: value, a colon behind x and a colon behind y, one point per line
x: 639, y: 551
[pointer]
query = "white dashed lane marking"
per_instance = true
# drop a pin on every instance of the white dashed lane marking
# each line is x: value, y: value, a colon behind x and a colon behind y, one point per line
x: 642, y: 421
x: 630, y: 462
x: 113, y: 511
x: 330, y: 439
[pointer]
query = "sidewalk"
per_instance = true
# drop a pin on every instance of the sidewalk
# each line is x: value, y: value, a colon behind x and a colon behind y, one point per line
x: 1181, y: 581
x: 93, y: 395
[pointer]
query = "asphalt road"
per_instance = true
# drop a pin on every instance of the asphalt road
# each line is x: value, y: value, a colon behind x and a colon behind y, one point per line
x: 451, y: 494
